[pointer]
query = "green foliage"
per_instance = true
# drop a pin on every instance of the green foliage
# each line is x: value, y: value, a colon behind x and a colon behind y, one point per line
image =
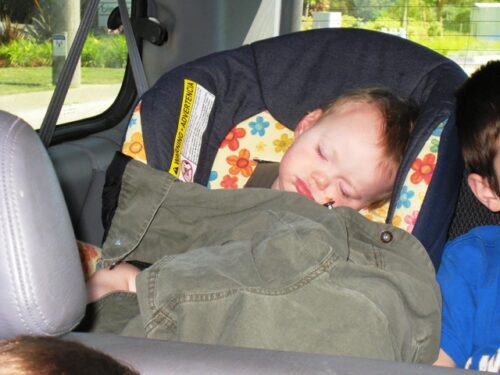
x: 459, y: 21
x: 347, y: 21
x: 435, y: 29
x: 448, y: 35
x: 20, y: 80
x: 381, y: 23
x: 315, y: 6
x: 24, y: 52
x: 459, y: 45
x: 350, y: 21
x: 40, y: 28
x: 11, y: 30
x: 370, y: 11
x: 306, y: 23
x: 16, y: 10
x: 342, y: 6
x: 108, y: 51
x: 450, y: 14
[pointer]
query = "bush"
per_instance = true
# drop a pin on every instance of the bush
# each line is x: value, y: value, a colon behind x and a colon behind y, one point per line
x: 24, y: 52
x: 9, y: 31
x: 109, y: 51
x: 435, y: 29
x: 350, y: 21
x: 17, y: 10
x: 306, y: 24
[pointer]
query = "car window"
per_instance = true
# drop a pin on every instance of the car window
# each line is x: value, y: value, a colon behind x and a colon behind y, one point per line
x: 466, y: 31
x: 35, y: 38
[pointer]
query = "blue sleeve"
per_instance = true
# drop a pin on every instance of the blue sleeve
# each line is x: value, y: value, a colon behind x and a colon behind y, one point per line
x: 456, y: 274
x: 485, y: 359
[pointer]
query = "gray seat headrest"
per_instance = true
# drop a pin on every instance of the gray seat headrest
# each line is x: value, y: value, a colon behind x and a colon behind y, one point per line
x: 42, y: 284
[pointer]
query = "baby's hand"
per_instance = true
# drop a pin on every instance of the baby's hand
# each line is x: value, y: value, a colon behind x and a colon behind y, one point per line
x: 107, y: 280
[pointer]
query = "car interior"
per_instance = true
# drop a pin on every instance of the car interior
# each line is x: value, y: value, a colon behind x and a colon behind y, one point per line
x: 51, y: 181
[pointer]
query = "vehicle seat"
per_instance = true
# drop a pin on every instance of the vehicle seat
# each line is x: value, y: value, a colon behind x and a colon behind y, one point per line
x: 39, y: 263
x: 183, y: 125
x: 469, y: 212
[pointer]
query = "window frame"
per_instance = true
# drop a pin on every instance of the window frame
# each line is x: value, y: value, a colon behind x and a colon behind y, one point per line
x: 118, y: 110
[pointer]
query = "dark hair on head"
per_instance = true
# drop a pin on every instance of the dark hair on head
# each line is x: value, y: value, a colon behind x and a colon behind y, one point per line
x: 42, y: 355
x: 478, y: 121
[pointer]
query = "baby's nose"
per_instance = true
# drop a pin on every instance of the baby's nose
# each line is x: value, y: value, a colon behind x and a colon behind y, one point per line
x: 321, y: 180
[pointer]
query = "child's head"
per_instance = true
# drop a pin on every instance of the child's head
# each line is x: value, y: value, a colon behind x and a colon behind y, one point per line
x: 478, y: 123
x: 43, y: 355
x: 350, y: 150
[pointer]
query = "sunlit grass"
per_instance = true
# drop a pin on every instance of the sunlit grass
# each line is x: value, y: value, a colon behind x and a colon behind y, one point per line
x: 459, y: 45
x: 21, y: 80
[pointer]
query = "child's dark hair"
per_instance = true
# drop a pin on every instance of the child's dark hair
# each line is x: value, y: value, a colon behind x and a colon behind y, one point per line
x: 478, y: 121
x: 42, y: 355
x: 399, y: 116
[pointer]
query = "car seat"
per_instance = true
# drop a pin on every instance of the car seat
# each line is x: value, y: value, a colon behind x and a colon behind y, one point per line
x: 196, y: 119
x: 39, y: 260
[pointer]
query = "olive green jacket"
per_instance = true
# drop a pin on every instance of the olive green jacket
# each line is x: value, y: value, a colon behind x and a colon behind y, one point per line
x: 267, y: 269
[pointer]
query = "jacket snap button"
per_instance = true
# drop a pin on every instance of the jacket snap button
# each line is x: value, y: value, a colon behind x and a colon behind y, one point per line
x: 386, y: 236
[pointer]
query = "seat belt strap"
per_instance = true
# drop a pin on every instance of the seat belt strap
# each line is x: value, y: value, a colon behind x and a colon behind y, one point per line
x: 56, y: 102
x: 152, y: 10
x: 54, y: 109
x: 138, y: 72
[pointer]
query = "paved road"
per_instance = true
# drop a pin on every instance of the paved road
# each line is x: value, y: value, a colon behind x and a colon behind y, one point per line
x: 84, y: 101
x: 472, y: 63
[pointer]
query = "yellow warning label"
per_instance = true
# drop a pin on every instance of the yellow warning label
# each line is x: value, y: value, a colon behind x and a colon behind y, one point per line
x: 184, y: 116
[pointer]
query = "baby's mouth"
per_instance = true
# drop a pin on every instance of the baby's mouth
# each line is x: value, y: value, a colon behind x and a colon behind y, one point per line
x: 303, y: 189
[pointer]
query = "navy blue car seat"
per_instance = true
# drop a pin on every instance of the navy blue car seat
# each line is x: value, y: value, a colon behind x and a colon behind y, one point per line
x: 194, y: 111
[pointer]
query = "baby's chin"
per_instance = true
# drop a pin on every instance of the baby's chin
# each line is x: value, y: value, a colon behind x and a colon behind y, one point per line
x: 276, y: 185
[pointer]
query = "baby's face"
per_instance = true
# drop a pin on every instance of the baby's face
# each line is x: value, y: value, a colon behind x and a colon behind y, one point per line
x: 339, y: 158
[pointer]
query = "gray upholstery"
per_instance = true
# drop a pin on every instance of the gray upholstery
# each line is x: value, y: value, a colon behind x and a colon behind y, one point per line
x: 162, y: 357
x: 42, y: 286
x: 81, y: 169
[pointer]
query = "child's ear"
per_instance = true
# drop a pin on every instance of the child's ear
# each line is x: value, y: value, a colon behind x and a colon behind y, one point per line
x: 308, y: 121
x: 482, y: 190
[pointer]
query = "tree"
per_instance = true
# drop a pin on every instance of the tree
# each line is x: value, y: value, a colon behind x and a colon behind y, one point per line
x: 370, y: 10
x: 315, y: 6
x: 17, y: 10
x: 346, y: 7
x: 450, y: 8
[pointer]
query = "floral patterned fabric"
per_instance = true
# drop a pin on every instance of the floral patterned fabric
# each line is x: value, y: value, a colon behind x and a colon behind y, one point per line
x: 417, y: 181
x: 90, y: 257
x: 261, y: 137
x: 133, y: 145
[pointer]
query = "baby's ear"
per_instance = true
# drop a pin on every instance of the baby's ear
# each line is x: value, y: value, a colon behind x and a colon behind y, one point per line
x: 308, y: 121
x: 482, y: 190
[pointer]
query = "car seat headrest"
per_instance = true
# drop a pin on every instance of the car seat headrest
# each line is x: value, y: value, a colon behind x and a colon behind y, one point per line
x: 43, y: 290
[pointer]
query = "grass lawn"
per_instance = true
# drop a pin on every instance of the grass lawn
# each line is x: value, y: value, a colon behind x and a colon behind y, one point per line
x: 21, y: 80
